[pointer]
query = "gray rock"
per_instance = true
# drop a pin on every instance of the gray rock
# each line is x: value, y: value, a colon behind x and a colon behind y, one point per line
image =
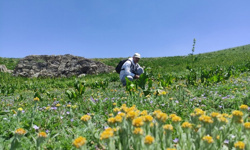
x: 58, y: 66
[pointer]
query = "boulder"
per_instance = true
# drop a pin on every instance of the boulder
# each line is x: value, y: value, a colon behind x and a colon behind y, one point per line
x: 4, y: 69
x: 58, y: 66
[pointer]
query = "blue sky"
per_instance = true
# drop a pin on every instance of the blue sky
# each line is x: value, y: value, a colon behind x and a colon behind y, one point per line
x: 119, y: 28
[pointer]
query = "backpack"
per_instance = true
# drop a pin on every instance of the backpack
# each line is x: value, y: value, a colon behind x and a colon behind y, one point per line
x: 119, y: 66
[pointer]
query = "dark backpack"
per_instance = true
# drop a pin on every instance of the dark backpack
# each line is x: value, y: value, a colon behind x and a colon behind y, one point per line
x: 119, y: 66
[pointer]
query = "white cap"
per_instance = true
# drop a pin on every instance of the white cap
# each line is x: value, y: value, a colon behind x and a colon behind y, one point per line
x: 137, y: 55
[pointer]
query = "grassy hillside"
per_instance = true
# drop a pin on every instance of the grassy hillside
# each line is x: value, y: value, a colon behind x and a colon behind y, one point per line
x: 227, y: 57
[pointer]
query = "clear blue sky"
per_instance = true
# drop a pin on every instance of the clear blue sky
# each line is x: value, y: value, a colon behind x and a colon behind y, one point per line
x: 119, y: 28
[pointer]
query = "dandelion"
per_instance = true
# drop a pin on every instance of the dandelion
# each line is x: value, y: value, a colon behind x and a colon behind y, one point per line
x: 171, y: 149
x: 36, y: 99
x: 138, y: 122
x: 243, y: 107
x: 144, y: 113
x: 162, y: 116
x: 239, y: 145
x: 85, y: 118
x: 148, y: 140
x: 214, y: 114
x: 138, y: 131
x: 58, y: 105
x: 42, y: 134
x: 114, y: 104
x: 208, y: 139
x: 131, y: 115
x: 172, y: 115
x: 223, y: 119
x: 68, y: 105
x: 80, y: 141
x: 20, y: 131
x: 186, y: 125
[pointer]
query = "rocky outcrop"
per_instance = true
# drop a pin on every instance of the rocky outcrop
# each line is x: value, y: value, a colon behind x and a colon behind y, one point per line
x: 4, y: 69
x: 58, y: 66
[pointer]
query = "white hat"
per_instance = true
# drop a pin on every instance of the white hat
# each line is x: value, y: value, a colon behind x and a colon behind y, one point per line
x: 137, y: 55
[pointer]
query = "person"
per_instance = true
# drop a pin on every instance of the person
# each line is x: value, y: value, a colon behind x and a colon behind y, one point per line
x: 131, y: 69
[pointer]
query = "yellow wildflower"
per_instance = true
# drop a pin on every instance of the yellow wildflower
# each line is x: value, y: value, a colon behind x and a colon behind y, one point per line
x: 237, y: 113
x: 42, y: 134
x: 176, y: 119
x: 208, y: 139
x: 244, y: 107
x: 114, y: 104
x: 214, y: 114
x: 80, y: 141
x: 186, y: 125
x: 48, y: 107
x: 20, y: 131
x: 118, y: 118
x: 217, y: 137
x: 85, y: 118
x: 199, y: 112
x: 144, y: 113
x: 205, y: 119
x: 122, y: 114
x: 156, y: 112
x: 74, y: 106
x: 58, y: 105
x: 148, y: 140
x: 110, y: 115
x: 168, y: 127
x: 138, y: 131
x: 111, y: 120
x: 148, y: 118
x: 107, y: 134
x: 131, y: 115
x: 172, y: 115
x: 225, y: 115
x: 116, y: 109
x: 171, y: 149
x: 222, y: 119
x: 247, y: 125
x: 68, y: 105
x: 239, y: 145
x: 36, y: 99
x: 162, y: 116
x: 138, y: 122
x: 20, y: 109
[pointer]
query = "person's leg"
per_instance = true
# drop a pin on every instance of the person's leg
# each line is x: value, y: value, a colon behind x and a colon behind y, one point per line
x: 140, y: 71
x: 123, y: 80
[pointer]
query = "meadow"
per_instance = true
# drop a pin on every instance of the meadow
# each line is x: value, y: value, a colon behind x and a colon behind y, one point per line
x: 185, y: 103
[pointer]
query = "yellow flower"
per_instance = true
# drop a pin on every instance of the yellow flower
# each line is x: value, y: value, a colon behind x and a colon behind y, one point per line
x: 148, y: 140
x: 156, y: 112
x: 116, y: 109
x: 171, y: 149
x: 121, y: 114
x: 205, y: 119
x: 114, y: 104
x: 131, y: 115
x: 172, y: 115
x: 239, y: 145
x: 208, y: 139
x: 42, y: 134
x: 186, y: 125
x: 48, y: 107
x: 144, y: 113
x: 168, y: 127
x: 36, y: 99
x: 107, y: 134
x: 20, y: 131
x: 118, y: 118
x: 20, y: 109
x: 247, y: 125
x: 138, y: 122
x: 244, y: 107
x: 138, y: 131
x: 148, y: 118
x: 110, y: 115
x: 199, y: 112
x: 225, y: 115
x: 217, y: 137
x: 116, y: 129
x: 74, y: 106
x: 80, y: 141
x: 111, y: 120
x: 176, y: 119
x: 58, y: 105
x: 237, y: 113
x: 222, y: 119
x: 68, y: 105
x: 85, y: 118
x: 171, y: 98
x: 162, y: 116
x: 214, y: 114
